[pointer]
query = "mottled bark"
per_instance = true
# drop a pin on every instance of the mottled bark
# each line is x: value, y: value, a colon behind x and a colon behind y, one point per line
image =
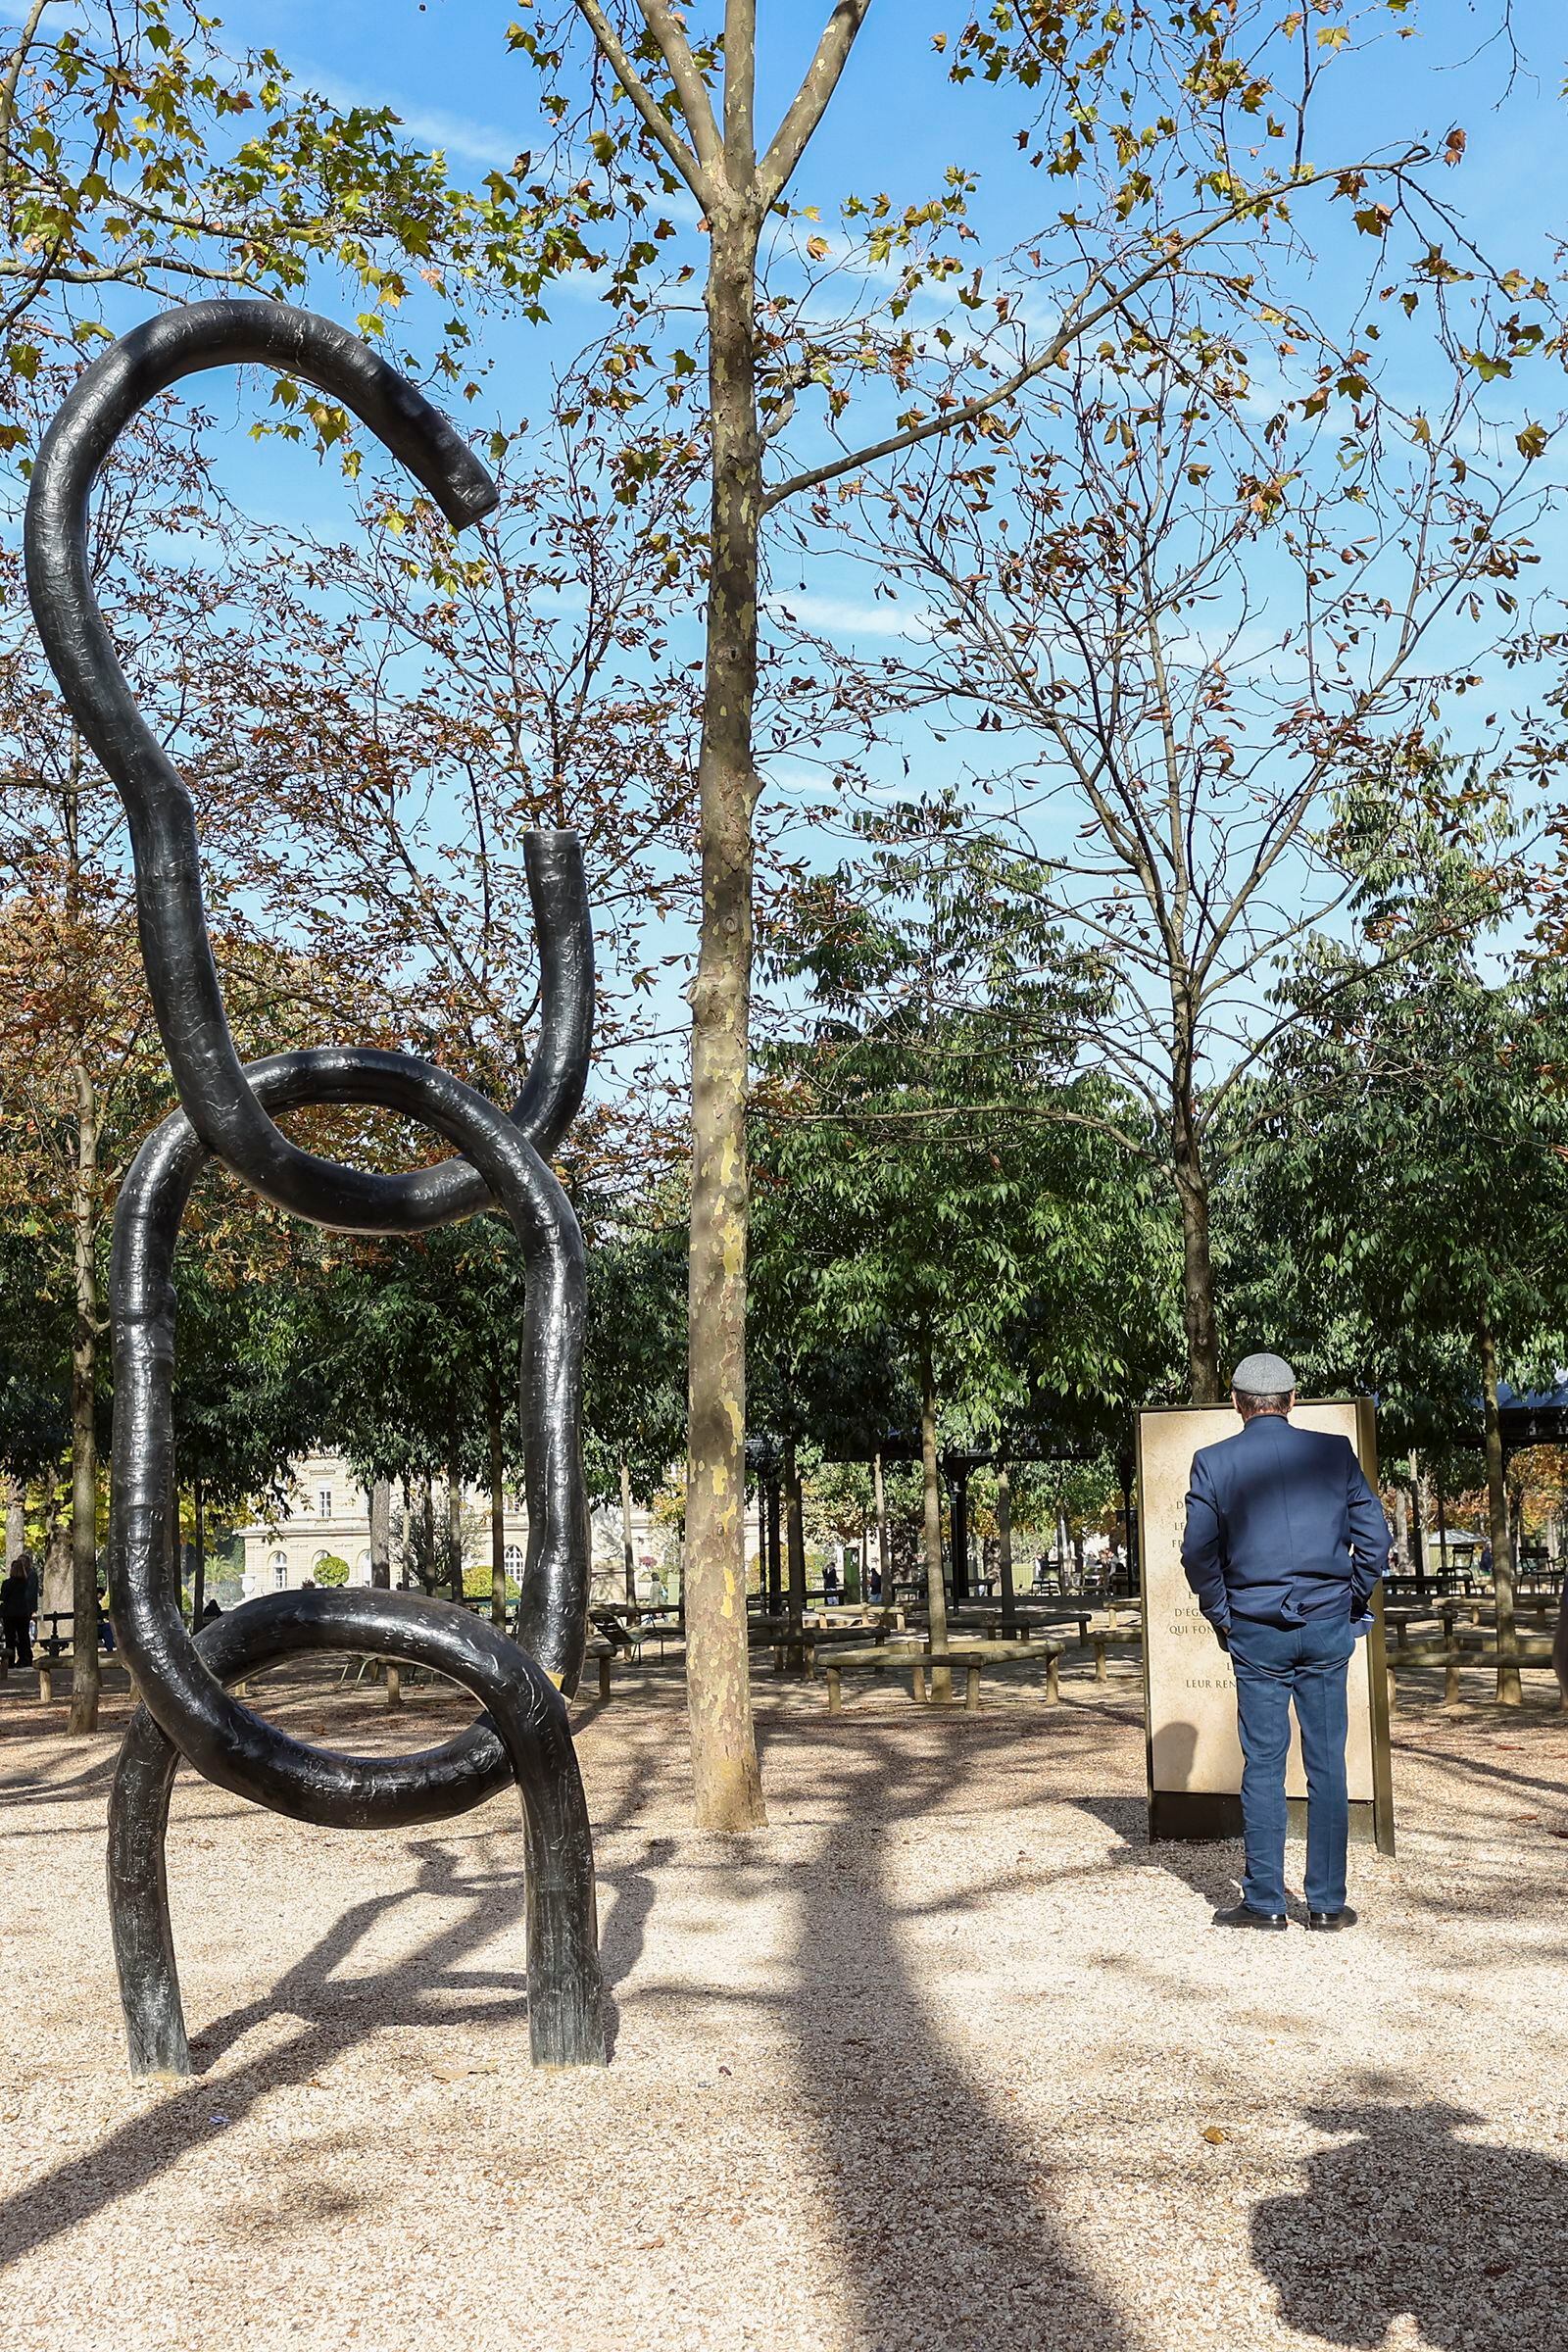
x: 381, y: 1533
x: 1509, y: 1690
x: 736, y: 192
x: 727, y: 1783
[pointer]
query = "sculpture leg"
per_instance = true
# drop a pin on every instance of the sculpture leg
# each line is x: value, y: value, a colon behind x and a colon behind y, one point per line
x: 138, y: 1901
x: 566, y: 2024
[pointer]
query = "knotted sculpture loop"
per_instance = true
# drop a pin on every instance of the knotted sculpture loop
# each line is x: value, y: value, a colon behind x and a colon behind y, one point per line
x: 226, y: 1113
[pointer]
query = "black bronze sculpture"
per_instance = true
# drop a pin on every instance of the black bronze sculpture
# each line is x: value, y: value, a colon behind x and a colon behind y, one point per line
x: 226, y: 1113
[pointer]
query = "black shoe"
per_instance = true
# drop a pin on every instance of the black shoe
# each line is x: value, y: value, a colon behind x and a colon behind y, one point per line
x: 1243, y: 1916
x: 1329, y: 1922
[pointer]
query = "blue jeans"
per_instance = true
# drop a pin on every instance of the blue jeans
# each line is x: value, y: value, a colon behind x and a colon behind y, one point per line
x: 1275, y: 1665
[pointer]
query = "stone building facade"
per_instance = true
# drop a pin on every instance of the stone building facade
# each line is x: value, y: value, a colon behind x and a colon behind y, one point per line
x: 327, y: 1515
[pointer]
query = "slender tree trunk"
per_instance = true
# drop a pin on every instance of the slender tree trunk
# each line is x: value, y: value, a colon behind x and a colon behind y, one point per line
x: 1418, y: 1522
x: 627, y: 1551
x: 1442, y: 1492
x: 958, y: 1529
x: 795, y: 1544
x: 85, y: 1672
x: 884, y: 1556
x: 1509, y: 1692
x: 455, y: 1532
x: 1198, y: 1264
x: 433, y: 1566
x: 198, y: 1579
x: 1010, y: 1607
x: 727, y: 1783
x: 775, y: 1550
x: 498, y: 1516
x: 1401, y: 1525
x: 381, y: 1533
x: 931, y: 1483
x: 16, y: 1521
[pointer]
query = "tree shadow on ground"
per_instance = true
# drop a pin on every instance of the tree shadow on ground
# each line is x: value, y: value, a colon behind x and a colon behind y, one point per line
x: 1211, y: 1867
x: 940, y: 2204
x: 337, y: 2009
x: 1403, y: 2215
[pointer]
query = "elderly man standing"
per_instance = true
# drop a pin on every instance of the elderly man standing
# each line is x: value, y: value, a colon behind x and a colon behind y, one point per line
x: 1285, y: 1543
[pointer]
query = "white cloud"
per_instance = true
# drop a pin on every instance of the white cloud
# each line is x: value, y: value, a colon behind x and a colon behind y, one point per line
x: 850, y: 616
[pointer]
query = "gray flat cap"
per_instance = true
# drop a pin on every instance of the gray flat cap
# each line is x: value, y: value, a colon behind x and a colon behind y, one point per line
x: 1263, y: 1375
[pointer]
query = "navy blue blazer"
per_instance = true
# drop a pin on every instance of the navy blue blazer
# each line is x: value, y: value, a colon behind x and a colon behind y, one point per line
x: 1282, y: 1525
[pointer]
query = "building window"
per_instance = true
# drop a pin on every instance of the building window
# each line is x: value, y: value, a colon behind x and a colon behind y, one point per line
x: 512, y: 1560
x: 279, y: 1570
x: 323, y: 1502
x: 365, y: 1566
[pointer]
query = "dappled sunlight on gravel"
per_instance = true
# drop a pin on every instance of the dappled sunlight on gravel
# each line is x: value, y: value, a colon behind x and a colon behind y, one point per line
x: 948, y: 2056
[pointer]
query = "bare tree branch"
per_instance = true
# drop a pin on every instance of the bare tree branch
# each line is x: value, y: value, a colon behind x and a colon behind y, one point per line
x: 690, y: 87
x: 655, y: 120
x: 810, y: 101
x: 1077, y: 324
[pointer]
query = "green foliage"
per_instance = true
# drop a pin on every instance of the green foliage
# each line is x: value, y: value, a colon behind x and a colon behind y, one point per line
x: 948, y: 1176
x: 1407, y: 1186
x: 331, y: 1570
x: 634, y: 1369
x: 426, y: 1340
x: 137, y: 152
x: 35, y: 1345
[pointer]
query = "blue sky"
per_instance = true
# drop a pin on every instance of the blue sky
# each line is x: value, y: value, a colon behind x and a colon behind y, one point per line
x: 895, y: 126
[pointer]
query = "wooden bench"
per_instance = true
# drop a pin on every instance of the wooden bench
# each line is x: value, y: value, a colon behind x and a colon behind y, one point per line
x: 1473, y: 1646
x: 601, y: 1653
x: 903, y: 1657
x: 1102, y: 1637
x: 813, y: 1638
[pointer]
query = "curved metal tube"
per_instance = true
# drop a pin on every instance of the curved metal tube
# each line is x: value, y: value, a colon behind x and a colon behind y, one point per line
x: 186, y: 995
x: 227, y: 1113
x: 223, y: 1739
x: 527, y: 1723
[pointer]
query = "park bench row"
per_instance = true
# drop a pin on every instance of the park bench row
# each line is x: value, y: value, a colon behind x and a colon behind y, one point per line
x: 1455, y: 1647
x: 970, y: 1658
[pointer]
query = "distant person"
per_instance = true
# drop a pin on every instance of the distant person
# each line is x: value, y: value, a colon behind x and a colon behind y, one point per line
x: 873, y: 1583
x: 1284, y: 1543
x: 106, y: 1624
x: 830, y: 1583
x: 15, y: 1612
x: 1485, y: 1561
x: 211, y: 1611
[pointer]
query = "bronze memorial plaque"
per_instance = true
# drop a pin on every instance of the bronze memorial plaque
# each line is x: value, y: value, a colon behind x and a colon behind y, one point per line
x: 1194, y: 1757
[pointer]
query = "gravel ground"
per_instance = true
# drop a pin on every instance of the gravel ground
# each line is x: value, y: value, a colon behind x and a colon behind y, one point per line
x: 948, y: 2056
